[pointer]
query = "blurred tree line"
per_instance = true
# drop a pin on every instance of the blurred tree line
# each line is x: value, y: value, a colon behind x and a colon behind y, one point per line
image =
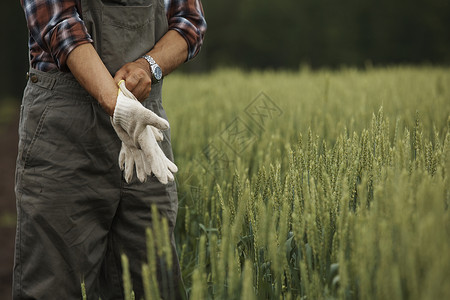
x: 258, y: 34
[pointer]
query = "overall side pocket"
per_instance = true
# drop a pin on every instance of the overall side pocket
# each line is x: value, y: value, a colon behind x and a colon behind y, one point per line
x: 35, y: 105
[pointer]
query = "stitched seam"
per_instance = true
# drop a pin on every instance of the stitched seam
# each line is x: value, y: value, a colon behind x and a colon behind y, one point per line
x: 118, y: 258
x: 35, y: 137
x: 19, y: 248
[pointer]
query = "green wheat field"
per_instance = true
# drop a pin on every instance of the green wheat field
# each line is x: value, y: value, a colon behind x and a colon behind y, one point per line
x: 310, y: 184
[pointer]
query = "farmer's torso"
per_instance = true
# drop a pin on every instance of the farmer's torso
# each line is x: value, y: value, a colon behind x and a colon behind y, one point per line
x: 124, y: 30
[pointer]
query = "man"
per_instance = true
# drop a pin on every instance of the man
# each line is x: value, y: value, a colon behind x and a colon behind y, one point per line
x: 77, y: 212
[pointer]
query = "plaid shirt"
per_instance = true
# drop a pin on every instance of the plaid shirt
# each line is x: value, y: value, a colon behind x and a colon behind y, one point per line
x: 56, y: 28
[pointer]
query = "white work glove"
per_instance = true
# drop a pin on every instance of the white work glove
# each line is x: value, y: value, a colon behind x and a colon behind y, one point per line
x: 141, y: 148
x: 133, y: 117
x: 130, y: 156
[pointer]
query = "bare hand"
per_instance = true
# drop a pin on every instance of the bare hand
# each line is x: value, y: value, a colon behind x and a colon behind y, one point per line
x: 137, y: 78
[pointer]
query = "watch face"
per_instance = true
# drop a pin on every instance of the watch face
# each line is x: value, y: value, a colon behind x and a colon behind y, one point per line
x: 157, y: 73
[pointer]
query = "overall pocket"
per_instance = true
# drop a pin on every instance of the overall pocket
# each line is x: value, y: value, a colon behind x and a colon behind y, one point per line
x: 127, y: 33
x: 35, y: 105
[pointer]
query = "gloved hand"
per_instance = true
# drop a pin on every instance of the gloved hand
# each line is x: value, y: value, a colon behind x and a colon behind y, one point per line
x: 130, y: 156
x: 149, y: 158
x: 133, y: 117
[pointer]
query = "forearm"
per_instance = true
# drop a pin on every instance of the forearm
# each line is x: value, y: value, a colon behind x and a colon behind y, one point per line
x: 169, y: 52
x: 91, y: 73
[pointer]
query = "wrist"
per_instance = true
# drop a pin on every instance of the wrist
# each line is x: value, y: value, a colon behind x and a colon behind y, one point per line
x: 122, y: 110
x: 108, y: 100
x: 145, y: 66
x: 155, y: 69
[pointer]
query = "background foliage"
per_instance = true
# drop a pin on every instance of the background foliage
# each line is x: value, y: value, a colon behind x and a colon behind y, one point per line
x: 286, y: 34
x: 338, y: 189
x: 306, y: 183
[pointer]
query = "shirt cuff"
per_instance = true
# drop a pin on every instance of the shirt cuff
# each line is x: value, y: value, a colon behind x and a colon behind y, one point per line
x: 67, y: 36
x: 192, y: 34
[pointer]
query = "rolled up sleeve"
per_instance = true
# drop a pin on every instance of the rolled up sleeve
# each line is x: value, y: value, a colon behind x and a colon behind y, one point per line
x: 187, y: 18
x: 56, y: 27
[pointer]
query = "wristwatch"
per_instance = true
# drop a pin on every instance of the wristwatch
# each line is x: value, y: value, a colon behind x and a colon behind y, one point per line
x: 155, y: 69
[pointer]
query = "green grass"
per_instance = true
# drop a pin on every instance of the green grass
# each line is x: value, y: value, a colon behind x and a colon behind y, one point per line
x: 341, y: 193
x: 8, y: 109
x: 308, y: 185
x: 7, y: 220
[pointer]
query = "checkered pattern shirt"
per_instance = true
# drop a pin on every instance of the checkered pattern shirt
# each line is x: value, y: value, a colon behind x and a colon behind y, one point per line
x: 56, y: 28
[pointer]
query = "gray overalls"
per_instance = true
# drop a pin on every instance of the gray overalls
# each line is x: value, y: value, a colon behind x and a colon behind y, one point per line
x: 75, y: 213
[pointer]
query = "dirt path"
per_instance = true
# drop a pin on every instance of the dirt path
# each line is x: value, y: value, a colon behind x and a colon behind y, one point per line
x: 8, y: 153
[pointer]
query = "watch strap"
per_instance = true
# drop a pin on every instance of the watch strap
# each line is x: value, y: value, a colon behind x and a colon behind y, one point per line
x: 152, y: 64
x: 149, y: 59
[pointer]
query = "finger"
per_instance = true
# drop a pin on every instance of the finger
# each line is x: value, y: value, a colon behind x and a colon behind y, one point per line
x: 122, y: 157
x: 157, y: 167
x: 170, y: 176
x: 146, y: 164
x: 139, y: 83
x: 125, y: 79
x: 125, y: 91
x: 120, y: 74
x: 130, y: 83
x: 153, y: 119
x: 157, y: 133
x: 148, y: 146
x: 151, y: 154
x: 161, y: 175
x: 138, y: 79
x: 122, y: 134
x: 129, y: 166
x: 140, y: 167
x: 171, y: 166
x: 142, y: 89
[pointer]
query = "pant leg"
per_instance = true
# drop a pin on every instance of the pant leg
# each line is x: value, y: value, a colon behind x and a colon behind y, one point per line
x: 128, y: 230
x: 134, y: 215
x: 67, y: 189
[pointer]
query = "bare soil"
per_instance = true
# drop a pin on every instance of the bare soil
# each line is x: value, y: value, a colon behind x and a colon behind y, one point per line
x: 8, y: 153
